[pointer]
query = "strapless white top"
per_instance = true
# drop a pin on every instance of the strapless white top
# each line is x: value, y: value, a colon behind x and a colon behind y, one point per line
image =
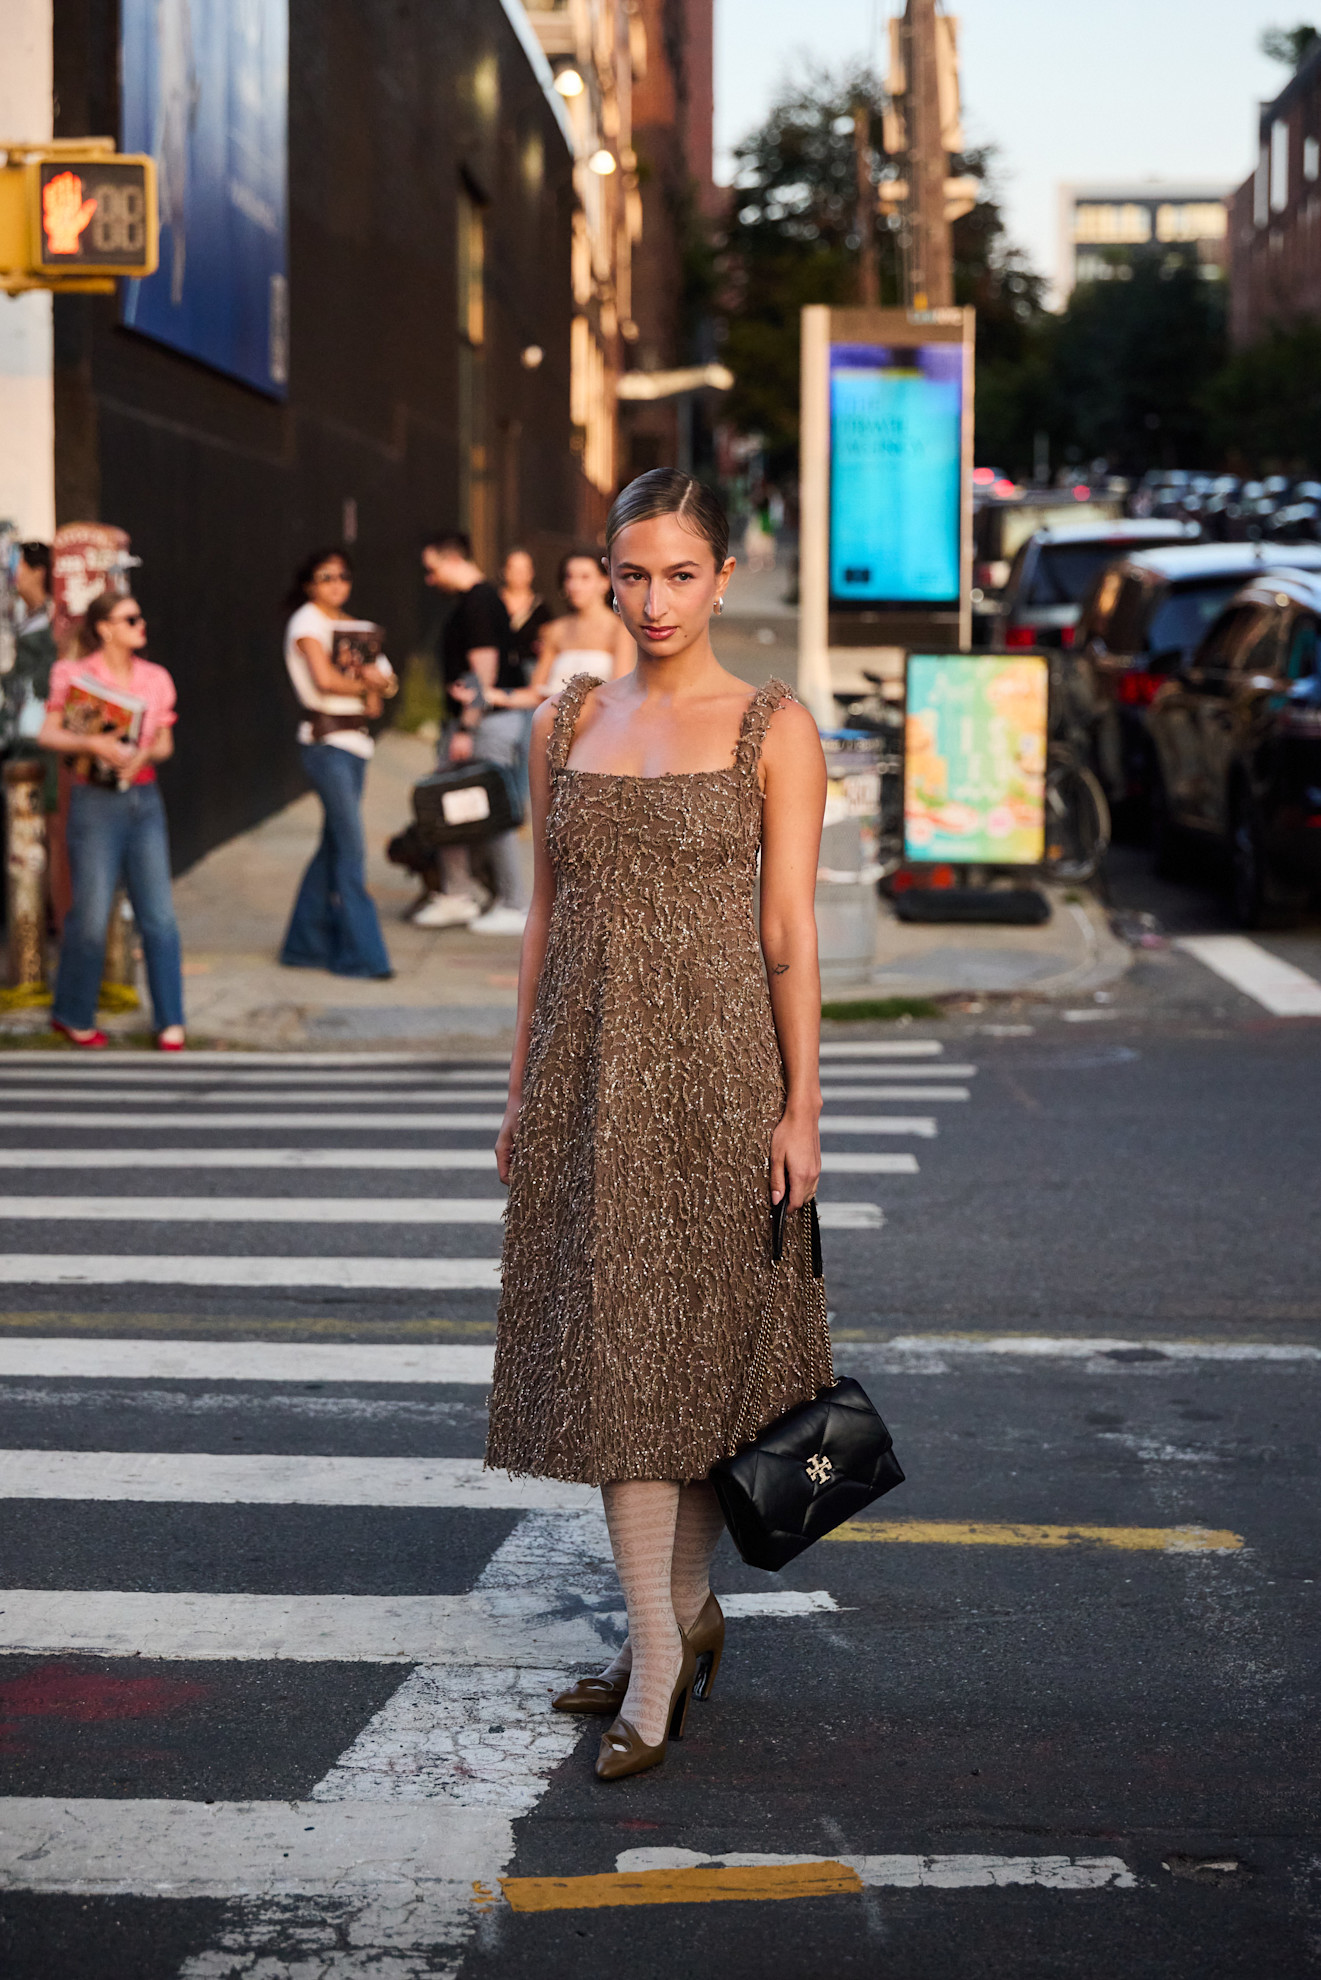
x: 579, y: 660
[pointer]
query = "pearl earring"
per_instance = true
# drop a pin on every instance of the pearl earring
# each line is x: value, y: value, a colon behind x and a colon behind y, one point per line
x: 614, y: 607
x: 719, y: 606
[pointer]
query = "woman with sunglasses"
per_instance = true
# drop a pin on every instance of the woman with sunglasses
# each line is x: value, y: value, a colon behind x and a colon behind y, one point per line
x: 116, y: 832
x: 334, y: 924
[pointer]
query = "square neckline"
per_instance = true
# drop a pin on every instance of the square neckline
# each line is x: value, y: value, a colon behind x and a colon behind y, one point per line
x: 758, y: 699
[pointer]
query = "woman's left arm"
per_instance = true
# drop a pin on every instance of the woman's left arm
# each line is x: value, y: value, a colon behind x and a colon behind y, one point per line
x: 794, y: 803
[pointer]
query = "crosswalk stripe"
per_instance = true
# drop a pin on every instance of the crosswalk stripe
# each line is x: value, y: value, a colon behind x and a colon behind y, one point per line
x: 42, y: 1268
x: 224, y: 1060
x: 875, y: 1124
x: 420, y: 1097
x: 137, y: 1157
x: 346, y: 1210
x: 364, y: 1159
x: 163, y: 1076
x: 895, y: 1092
x: 59, y: 1358
x: 203, y: 1478
x: 1283, y: 989
x: 495, y: 1627
x: 890, y: 1048
x: 111, y: 1118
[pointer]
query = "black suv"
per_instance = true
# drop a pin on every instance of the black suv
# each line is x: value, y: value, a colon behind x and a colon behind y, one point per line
x: 1237, y: 737
x: 1142, y: 618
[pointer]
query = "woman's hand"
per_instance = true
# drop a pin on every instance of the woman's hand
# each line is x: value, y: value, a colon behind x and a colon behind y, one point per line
x: 378, y: 681
x: 112, y: 750
x: 504, y: 1141
x: 795, y: 1157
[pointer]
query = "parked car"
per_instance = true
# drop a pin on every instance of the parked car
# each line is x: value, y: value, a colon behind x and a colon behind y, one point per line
x: 1236, y: 732
x: 1053, y: 568
x: 1141, y: 619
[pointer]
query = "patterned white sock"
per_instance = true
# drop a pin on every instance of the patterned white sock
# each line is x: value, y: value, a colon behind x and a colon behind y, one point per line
x: 641, y: 1514
x: 697, y: 1529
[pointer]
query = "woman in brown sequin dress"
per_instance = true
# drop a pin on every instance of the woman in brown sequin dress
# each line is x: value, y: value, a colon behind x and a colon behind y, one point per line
x: 663, y: 1091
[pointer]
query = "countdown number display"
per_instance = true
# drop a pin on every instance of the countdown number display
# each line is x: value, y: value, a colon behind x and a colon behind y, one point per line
x: 95, y: 215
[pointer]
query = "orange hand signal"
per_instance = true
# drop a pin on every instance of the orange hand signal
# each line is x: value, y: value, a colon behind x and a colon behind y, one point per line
x: 65, y: 213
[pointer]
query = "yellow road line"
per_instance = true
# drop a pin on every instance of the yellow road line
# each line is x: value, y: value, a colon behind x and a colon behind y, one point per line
x: 982, y: 1533
x: 704, y: 1886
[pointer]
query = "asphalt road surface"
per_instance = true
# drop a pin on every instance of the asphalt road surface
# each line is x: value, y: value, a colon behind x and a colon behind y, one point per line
x: 277, y: 1653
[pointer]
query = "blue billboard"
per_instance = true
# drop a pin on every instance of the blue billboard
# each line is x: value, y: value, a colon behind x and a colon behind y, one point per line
x: 205, y: 91
x: 896, y: 453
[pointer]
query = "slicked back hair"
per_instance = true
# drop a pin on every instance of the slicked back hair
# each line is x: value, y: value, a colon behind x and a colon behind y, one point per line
x: 670, y: 492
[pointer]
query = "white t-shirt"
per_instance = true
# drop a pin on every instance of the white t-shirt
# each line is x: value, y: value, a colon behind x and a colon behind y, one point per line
x: 310, y: 622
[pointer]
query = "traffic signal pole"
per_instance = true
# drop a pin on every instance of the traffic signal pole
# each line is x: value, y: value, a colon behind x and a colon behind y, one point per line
x: 931, y: 273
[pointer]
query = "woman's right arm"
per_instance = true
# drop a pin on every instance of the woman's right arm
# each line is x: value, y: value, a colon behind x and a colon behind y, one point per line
x: 535, y: 934
x: 67, y: 742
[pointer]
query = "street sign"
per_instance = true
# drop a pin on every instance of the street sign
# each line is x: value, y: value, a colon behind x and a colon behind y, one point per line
x: 75, y: 215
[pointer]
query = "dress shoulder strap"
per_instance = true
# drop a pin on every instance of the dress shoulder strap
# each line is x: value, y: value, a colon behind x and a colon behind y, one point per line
x: 756, y: 721
x: 569, y: 707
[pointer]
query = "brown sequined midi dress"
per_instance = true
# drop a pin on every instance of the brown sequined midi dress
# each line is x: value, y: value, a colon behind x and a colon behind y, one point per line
x: 637, y: 1238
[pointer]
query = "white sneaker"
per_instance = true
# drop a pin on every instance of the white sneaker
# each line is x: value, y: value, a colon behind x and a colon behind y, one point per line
x: 446, y: 911
x: 501, y: 921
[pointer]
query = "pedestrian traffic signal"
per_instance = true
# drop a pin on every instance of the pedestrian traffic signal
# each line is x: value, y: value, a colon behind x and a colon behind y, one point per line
x: 74, y: 215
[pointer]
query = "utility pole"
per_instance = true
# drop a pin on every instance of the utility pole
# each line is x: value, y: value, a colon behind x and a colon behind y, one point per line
x: 931, y: 276
x: 869, y: 284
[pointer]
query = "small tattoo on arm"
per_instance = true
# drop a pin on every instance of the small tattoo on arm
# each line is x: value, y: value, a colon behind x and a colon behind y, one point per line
x: 778, y: 969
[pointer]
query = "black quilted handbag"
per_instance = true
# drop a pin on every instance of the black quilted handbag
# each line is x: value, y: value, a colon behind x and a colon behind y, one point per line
x: 463, y: 804
x: 820, y: 1462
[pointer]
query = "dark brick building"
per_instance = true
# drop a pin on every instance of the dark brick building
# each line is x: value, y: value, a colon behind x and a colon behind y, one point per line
x: 1275, y: 216
x: 430, y: 204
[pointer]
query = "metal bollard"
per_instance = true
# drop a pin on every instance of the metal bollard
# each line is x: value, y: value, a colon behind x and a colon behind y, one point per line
x: 25, y: 885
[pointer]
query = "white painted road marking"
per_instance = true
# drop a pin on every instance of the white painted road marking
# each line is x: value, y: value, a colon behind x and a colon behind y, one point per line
x: 138, y: 1157
x: 162, y: 1076
x: 906, y: 1873
x: 1065, y: 1348
x: 835, y: 1163
x: 57, y: 1358
x: 112, y: 1118
x: 869, y: 1092
x: 892, y: 1048
x: 222, y: 1849
x: 428, y: 1096
x: 1284, y: 990
x: 46, y: 1268
x: 876, y: 1124
x: 347, y: 1210
x: 491, y: 1628
x: 203, y: 1478
x: 850, y: 1216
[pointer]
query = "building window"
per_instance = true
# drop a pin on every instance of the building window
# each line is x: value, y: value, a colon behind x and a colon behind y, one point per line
x: 1311, y: 159
x: 1261, y: 212
x: 1279, y: 165
x: 1112, y: 225
x: 474, y: 465
x: 1198, y: 220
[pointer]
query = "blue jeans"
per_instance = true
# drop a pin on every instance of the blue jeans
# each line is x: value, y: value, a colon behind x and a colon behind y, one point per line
x: 118, y: 836
x: 334, y: 924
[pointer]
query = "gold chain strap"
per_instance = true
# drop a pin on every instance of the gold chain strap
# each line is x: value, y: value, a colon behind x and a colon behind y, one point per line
x: 816, y: 1306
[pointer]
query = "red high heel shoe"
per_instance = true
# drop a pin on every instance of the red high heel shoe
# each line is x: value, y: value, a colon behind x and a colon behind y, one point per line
x: 95, y: 1041
x: 169, y: 1044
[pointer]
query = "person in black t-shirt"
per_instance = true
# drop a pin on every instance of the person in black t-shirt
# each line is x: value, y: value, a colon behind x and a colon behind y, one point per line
x: 484, y: 678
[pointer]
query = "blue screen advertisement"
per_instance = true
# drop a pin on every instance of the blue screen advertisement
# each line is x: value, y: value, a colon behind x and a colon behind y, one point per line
x: 896, y: 452
x: 205, y: 91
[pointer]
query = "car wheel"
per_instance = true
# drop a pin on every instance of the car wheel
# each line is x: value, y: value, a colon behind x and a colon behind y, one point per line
x: 1258, y: 894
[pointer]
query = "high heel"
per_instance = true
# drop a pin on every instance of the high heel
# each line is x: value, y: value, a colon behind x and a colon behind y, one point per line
x: 623, y: 1750
x: 91, y: 1041
x: 706, y: 1636
x: 593, y: 1694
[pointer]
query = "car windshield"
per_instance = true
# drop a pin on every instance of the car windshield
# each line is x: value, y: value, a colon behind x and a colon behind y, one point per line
x: 1064, y: 570
x: 1183, y: 615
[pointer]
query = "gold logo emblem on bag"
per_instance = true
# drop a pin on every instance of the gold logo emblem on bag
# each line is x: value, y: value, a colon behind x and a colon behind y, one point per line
x: 819, y: 1468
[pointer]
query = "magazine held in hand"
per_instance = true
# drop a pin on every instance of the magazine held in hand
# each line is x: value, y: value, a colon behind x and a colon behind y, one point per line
x: 96, y: 709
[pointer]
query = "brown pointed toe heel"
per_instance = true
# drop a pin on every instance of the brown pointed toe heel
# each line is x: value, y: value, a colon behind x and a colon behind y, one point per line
x: 593, y: 1694
x: 706, y: 1637
x: 623, y: 1751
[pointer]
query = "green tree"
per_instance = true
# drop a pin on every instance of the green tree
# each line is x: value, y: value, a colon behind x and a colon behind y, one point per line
x: 1264, y: 407
x: 792, y: 239
x: 1292, y: 46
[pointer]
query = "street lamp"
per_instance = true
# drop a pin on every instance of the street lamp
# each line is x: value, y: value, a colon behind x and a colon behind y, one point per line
x: 602, y: 162
x: 568, y: 81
